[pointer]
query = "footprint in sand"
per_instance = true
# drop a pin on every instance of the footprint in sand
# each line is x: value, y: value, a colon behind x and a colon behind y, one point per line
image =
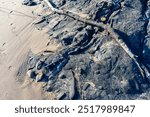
x: 10, y: 68
x: 4, y: 44
x: 2, y: 51
x: 11, y: 24
x: 13, y: 29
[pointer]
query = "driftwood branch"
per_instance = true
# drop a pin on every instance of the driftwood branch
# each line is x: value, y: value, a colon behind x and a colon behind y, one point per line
x: 74, y: 16
x: 108, y: 28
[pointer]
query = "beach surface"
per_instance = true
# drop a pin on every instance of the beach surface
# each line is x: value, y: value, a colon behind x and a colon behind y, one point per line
x: 17, y: 37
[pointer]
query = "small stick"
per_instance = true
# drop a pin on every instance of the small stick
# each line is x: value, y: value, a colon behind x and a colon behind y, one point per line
x: 74, y: 16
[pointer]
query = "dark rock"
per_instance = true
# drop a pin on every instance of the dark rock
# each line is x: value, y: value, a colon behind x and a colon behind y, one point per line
x: 49, y: 86
x: 146, y: 49
x: 42, y: 22
x: 39, y: 65
x: 62, y: 76
x: 28, y: 2
x: 39, y: 77
x: 90, y: 63
x: 32, y: 62
x: 68, y: 39
x: 146, y: 42
x: 130, y: 25
x: 31, y: 73
x: 59, y: 3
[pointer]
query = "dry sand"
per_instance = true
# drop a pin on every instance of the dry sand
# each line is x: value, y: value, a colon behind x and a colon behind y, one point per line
x: 17, y: 37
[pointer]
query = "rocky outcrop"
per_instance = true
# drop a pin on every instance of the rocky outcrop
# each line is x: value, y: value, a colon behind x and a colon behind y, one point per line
x: 91, y: 64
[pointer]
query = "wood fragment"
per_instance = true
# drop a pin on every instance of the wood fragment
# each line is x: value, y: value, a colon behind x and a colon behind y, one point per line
x: 75, y: 16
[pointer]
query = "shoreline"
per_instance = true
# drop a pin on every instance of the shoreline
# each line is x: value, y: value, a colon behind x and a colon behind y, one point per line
x: 18, y: 36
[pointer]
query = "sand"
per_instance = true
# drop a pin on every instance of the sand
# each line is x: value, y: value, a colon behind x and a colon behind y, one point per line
x: 17, y: 37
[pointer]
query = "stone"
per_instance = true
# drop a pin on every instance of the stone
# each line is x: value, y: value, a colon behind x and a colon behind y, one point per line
x: 130, y: 27
x: 27, y: 2
x: 31, y: 74
x: 68, y: 39
x: 62, y: 76
x: 32, y: 62
x: 103, y: 19
x: 39, y: 77
x: 61, y: 96
x: 39, y: 64
x: 49, y: 86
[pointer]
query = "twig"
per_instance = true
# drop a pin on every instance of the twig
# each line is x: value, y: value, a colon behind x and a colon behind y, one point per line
x: 111, y: 31
x: 74, y: 16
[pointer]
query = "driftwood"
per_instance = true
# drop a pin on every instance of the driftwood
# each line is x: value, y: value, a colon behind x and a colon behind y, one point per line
x: 74, y: 16
x: 108, y: 28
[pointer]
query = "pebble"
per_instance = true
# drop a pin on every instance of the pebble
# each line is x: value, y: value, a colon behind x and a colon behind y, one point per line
x: 39, y: 65
x: 39, y: 77
x: 61, y: 95
x: 31, y: 73
x: 103, y: 19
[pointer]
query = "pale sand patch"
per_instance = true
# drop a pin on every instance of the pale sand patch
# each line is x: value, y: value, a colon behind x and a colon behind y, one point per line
x: 17, y: 37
